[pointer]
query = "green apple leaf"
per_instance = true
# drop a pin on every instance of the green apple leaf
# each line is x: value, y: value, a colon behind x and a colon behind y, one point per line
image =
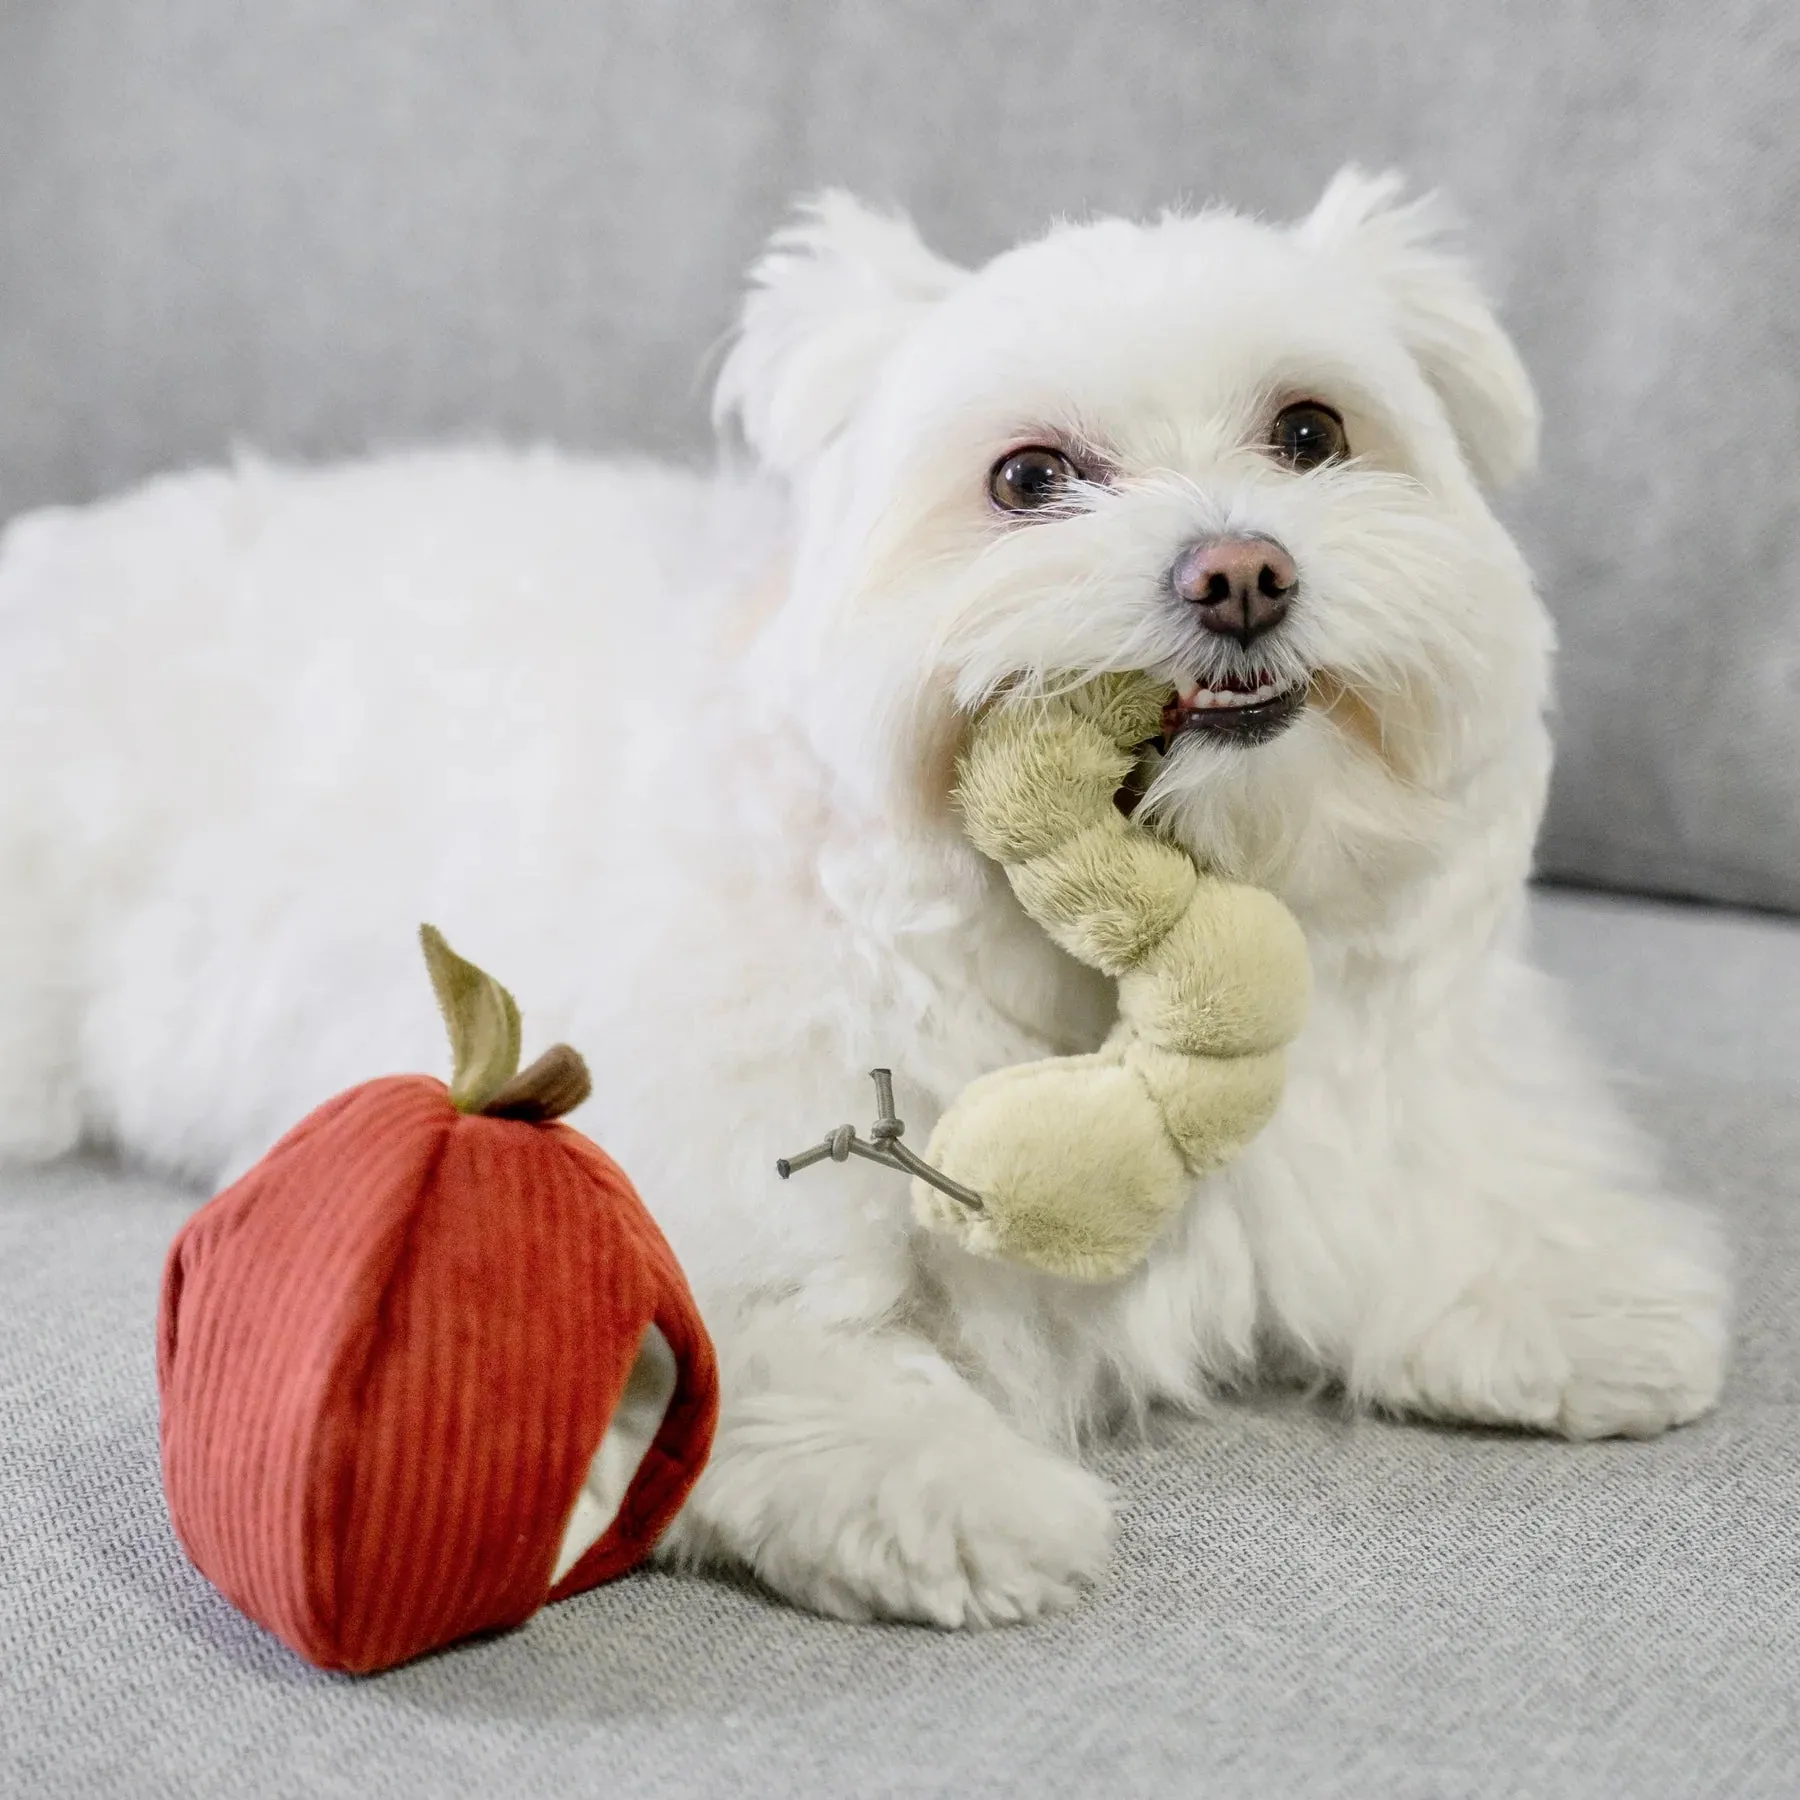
x: 483, y: 1021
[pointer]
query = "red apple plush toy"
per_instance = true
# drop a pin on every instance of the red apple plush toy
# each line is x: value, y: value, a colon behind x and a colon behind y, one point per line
x: 430, y: 1363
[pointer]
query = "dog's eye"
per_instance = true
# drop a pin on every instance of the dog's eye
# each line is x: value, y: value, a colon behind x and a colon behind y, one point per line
x: 1031, y: 478
x: 1307, y: 434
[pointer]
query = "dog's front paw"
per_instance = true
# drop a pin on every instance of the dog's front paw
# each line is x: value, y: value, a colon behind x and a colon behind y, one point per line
x: 1636, y: 1373
x: 1587, y: 1345
x: 945, y: 1523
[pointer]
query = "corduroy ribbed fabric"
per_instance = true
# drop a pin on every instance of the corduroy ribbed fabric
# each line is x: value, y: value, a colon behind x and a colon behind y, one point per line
x: 387, y: 1356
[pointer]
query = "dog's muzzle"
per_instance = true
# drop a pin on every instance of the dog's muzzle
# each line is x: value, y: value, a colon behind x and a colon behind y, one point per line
x: 1238, y: 588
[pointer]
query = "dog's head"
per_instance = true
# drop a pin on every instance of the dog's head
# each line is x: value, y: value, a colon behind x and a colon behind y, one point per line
x: 1249, y: 459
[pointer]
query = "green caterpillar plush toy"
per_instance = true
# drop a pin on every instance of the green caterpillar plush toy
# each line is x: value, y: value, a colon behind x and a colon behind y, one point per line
x: 1074, y: 1164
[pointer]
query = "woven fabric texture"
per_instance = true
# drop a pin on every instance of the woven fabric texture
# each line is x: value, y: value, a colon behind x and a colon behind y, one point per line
x: 387, y: 1356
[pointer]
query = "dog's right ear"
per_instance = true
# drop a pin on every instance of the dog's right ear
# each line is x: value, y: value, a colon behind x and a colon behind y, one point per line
x: 829, y: 298
x: 1443, y: 316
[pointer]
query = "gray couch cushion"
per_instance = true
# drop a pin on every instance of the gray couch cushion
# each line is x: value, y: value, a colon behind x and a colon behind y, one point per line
x: 1671, y: 992
x: 316, y: 225
x: 1300, y: 1605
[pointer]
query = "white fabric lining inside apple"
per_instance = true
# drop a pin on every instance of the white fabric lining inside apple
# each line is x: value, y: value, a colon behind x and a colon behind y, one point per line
x: 648, y: 1391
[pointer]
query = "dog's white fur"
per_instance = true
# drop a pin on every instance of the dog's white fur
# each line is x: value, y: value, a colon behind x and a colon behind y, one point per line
x: 670, y: 754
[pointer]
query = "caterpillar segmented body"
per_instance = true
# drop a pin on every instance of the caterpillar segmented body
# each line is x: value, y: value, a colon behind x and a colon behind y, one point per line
x: 1081, y: 1160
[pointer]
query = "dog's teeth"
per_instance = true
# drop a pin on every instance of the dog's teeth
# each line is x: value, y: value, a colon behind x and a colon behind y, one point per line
x: 1205, y: 699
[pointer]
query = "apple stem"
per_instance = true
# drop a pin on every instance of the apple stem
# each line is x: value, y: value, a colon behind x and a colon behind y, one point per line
x: 555, y: 1084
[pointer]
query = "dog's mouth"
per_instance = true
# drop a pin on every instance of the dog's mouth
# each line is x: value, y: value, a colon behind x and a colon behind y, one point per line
x: 1243, y: 709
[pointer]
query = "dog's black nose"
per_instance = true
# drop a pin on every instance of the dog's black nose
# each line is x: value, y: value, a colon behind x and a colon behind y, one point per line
x: 1240, y: 586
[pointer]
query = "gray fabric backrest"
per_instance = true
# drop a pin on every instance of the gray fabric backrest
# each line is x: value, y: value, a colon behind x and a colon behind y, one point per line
x: 319, y: 225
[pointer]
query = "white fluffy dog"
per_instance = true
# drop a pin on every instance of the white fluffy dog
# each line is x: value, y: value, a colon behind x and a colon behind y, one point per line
x: 670, y: 753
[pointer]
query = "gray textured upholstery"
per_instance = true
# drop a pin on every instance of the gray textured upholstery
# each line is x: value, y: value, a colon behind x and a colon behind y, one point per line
x: 1668, y: 992
x: 317, y: 225
x: 1301, y: 1605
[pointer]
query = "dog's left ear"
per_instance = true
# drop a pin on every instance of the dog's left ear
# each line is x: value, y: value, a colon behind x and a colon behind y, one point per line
x: 1444, y: 317
x: 834, y: 292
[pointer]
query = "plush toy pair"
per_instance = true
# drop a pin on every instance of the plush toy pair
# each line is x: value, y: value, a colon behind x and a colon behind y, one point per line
x: 430, y: 1364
